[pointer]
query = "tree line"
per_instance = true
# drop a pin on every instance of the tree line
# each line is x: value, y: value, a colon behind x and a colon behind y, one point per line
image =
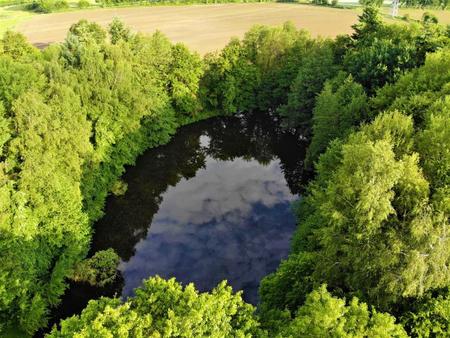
x: 372, y: 226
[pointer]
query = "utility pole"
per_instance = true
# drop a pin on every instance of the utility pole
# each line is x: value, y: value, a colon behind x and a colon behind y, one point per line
x: 395, y: 5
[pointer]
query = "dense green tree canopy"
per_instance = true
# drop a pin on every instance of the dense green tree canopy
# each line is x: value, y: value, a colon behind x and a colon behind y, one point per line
x: 71, y: 117
x: 323, y: 315
x: 375, y: 221
x: 340, y: 106
x: 164, y: 309
x: 372, y: 224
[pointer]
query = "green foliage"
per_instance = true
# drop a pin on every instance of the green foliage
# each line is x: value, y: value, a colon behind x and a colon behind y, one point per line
x: 5, y: 130
x: 83, y: 4
x: 317, y: 67
x: 369, y: 23
x: 119, y: 188
x: 277, y: 53
x: 16, y: 46
x: 323, y: 315
x: 118, y: 31
x: 429, y: 18
x: 98, y: 270
x: 48, y: 6
x: 417, y: 90
x: 186, y: 70
x: 433, y: 145
x: 374, y: 221
x: 379, y: 62
x: 88, y: 32
x: 287, y: 288
x: 165, y: 309
x: 340, y: 106
x: 425, y: 3
x: 257, y: 72
x: 429, y: 317
x: 381, y: 53
x: 71, y: 117
x: 230, y: 81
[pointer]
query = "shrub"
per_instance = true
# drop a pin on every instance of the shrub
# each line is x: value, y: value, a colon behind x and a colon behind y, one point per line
x: 99, y: 270
x: 48, y: 6
x: 83, y: 4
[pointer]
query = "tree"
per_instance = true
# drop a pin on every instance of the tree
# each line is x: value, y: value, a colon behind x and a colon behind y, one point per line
x: 370, y: 203
x: 15, y: 45
x: 5, y: 129
x: 381, y: 53
x: 429, y: 317
x: 369, y: 22
x: 323, y: 315
x: 230, y: 82
x: 185, y: 72
x: 97, y: 270
x: 429, y: 18
x: 277, y: 53
x: 88, y: 31
x: 380, y: 62
x: 71, y: 117
x: 340, y: 107
x: 317, y: 67
x: 164, y: 308
x: 118, y: 31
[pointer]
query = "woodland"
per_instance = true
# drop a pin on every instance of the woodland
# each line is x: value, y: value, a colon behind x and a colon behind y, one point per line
x: 371, y: 253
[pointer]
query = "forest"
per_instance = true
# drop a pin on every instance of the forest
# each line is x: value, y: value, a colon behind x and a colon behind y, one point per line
x: 371, y: 254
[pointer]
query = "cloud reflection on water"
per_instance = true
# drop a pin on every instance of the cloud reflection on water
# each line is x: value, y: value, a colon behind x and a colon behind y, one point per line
x: 231, y: 221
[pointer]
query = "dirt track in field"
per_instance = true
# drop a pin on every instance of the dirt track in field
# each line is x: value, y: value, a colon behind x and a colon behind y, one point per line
x: 204, y: 28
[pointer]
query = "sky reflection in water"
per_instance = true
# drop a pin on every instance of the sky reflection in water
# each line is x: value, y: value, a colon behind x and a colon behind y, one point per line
x: 232, y: 221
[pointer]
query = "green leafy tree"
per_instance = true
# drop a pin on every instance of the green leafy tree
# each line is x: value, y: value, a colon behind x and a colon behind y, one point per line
x: 118, y: 31
x: 186, y: 70
x: 164, y: 309
x: 369, y: 22
x: 340, y: 107
x: 371, y: 202
x: 71, y: 117
x: 5, y: 130
x: 381, y: 53
x: 323, y: 315
x: 372, y: 224
x: 429, y: 317
x: 88, y: 31
x: 379, y: 62
x: 277, y: 53
x: 230, y: 81
x: 97, y: 270
x: 16, y: 45
x: 317, y: 67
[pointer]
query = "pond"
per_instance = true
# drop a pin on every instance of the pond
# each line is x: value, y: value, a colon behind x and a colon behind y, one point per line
x: 211, y: 205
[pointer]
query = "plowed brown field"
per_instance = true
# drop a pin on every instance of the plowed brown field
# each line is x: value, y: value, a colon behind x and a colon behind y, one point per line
x: 204, y: 28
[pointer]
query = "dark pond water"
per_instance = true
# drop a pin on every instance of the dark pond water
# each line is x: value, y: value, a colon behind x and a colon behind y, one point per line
x: 212, y: 204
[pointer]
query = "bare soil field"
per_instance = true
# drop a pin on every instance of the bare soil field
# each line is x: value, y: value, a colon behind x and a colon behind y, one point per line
x: 203, y: 28
x: 416, y: 13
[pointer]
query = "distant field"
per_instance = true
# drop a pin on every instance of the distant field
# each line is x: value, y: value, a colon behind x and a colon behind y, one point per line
x: 416, y: 13
x: 11, y: 17
x: 202, y: 27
